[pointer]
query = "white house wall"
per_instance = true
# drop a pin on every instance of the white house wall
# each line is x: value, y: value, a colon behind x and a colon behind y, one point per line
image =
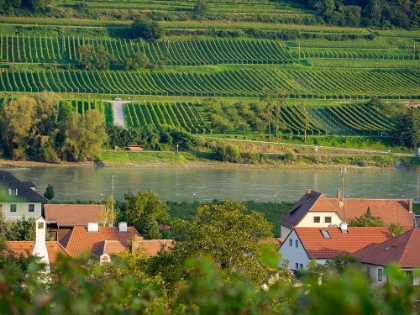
x: 373, y: 275
x: 308, y: 219
x: 295, y: 255
x: 22, y: 209
x: 284, y: 231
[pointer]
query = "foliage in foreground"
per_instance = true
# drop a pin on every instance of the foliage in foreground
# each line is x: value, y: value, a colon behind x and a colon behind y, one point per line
x: 120, y: 287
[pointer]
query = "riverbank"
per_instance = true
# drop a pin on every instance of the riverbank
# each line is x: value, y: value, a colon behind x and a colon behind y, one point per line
x: 158, y: 159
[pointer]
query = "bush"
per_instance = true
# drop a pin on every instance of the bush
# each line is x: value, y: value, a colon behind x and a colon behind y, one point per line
x: 145, y: 28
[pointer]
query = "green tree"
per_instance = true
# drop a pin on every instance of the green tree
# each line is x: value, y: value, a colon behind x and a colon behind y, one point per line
x: 395, y: 229
x: 145, y: 211
x: 227, y: 153
x: 136, y: 61
x: 21, y: 230
x: 338, y: 264
x: 224, y: 231
x: 91, y: 57
x: 407, y: 128
x: 49, y: 192
x: 200, y: 8
x: 108, y: 216
x: 146, y: 28
x: 15, y: 125
x: 366, y: 220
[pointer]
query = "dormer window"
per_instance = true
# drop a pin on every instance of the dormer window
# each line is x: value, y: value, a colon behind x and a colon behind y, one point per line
x: 327, y: 219
x: 13, y: 192
x: 317, y: 219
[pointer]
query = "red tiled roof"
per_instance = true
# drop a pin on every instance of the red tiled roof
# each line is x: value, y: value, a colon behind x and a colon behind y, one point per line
x: 25, y: 247
x: 114, y: 247
x: 388, y: 210
x: 317, y: 246
x: 72, y: 214
x: 402, y: 249
x: 152, y: 247
x: 80, y: 240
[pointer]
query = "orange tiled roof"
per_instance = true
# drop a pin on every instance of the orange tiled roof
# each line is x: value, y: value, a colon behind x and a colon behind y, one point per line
x: 114, y: 247
x: 80, y: 240
x: 152, y: 247
x: 317, y: 246
x: 72, y: 214
x: 388, y: 210
x: 402, y: 249
x: 25, y: 247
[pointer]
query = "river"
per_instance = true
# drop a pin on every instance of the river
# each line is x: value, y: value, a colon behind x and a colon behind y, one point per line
x: 188, y: 184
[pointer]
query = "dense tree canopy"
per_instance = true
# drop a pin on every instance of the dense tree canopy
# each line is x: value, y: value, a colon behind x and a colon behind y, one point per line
x: 379, y: 13
x: 136, y: 61
x: 42, y: 128
x: 144, y: 27
x: 91, y: 57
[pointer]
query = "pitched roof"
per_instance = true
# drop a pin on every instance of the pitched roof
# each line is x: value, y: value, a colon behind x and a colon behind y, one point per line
x: 72, y: 214
x: 25, y: 247
x: 114, y: 247
x: 79, y: 240
x: 402, y: 249
x: 388, y: 210
x: 300, y: 209
x: 317, y: 246
x: 24, y: 189
x: 152, y: 247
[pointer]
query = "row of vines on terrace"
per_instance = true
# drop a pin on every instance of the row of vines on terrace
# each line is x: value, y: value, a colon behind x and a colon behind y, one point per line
x: 38, y: 49
x: 246, y: 82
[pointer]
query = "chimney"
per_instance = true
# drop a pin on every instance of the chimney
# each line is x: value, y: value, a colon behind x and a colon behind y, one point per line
x: 410, y: 205
x: 308, y: 194
x: 343, y: 227
x: 93, y: 227
x: 122, y: 227
x: 40, y: 249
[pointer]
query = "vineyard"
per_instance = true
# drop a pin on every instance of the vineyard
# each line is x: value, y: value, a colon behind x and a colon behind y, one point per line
x: 180, y: 114
x: 82, y: 106
x: 352, y: 119
x: 38, y: 49
x: 247, y: 82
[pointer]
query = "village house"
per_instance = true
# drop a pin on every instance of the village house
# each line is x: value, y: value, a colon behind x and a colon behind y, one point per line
x: 305, y: 244
x: 47, y: 250
x: 62, y: 218
x: 18, y: 199
x: 314, y: 209
x: 401, y: 250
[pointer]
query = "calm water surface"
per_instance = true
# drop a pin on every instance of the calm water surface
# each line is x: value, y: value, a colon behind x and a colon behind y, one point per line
x: 180, y: 184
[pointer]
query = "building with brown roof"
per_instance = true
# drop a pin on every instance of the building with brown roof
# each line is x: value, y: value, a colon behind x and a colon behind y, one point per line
x: 401, y: 250
x: 305, y: 244
x: 92, y: 239
x: 314, y: 209
x: 61, y: 218
x: 48, y: 251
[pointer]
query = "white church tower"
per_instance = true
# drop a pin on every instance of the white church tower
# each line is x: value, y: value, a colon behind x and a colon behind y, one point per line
x: 40, y: 248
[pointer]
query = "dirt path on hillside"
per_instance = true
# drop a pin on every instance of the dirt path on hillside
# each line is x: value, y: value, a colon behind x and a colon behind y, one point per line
x: 118, y: 112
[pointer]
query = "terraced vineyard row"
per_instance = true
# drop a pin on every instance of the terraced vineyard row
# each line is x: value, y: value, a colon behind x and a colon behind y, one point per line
x: 364, y: 63
x: 184, y: 115
x: 393, y: 54
x: 247, y: 82
x: 15, y: 48
x: 81, y: 106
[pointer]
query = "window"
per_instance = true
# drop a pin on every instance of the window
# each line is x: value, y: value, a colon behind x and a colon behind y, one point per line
x: 13, y: 192
x: 380, y: 274
x: 410, y: 276
x: 327, y: 219
x: 296, y: 243
x: 317, y: 219
x: 325, y: 234
x: 301, y: 266
x: 40, y: 225
x: 13, y: 207
x: 368, y: 272
x: 297, y: 266
x: 290, y: 242
x: 31, y: 207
